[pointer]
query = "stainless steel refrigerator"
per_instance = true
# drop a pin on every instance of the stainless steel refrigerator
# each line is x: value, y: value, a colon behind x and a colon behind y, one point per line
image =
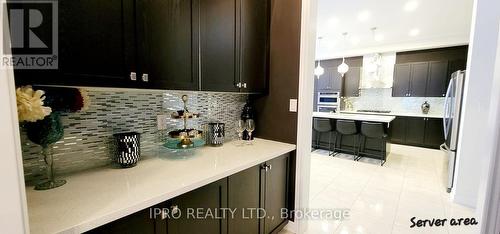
x: 451, y: 121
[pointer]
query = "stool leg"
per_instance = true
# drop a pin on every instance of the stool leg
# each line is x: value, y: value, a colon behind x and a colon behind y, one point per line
x: 318, y: 136
x: 329, y: 143
x: 384, y: 155
x: 361, y: 140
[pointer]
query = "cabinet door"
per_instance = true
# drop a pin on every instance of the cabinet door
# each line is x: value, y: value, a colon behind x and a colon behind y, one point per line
x: 96, y: 43
x: 401, y: 83
x: 415, y: 131
x: 434, y: 135
x: 217, y: 44
x: 397, y: 130
x: 325, y: 81
x: 244, y: 194
x: 438, y: 79
x: 168, y: 49
x: 209, y: 198
x: 418, y: 80
x: 275, y: 192
x: 140, y: 222
x: 351, y: 82
x: 254, y: 39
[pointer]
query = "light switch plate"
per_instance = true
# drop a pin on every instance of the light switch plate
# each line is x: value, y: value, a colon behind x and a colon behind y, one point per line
x: 161, y: 121
x: 293, y: 105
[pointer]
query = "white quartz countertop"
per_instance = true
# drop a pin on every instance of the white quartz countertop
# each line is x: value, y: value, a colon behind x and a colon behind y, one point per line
x: 359, y: 117
x: 99, y: 196
x: 409, y: 114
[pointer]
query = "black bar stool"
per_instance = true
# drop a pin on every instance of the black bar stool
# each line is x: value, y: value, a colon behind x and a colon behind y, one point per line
x: 374, y: 131
x: 323, y: 126
x: 347, y: 128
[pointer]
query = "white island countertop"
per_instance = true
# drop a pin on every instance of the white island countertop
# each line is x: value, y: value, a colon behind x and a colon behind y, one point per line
x: 407, y: 114
x: 358, y: 117
x: 99, y: 196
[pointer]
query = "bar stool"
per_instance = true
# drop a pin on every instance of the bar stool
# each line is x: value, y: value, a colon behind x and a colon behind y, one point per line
x: 347, y: 128
x: 323, y: 126
x: 374, y: 131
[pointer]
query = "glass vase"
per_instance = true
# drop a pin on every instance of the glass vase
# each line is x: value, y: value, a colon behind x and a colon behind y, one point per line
x: 48, y: 157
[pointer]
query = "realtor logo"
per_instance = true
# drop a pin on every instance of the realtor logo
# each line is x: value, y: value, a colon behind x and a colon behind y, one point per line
x: 32, y: 26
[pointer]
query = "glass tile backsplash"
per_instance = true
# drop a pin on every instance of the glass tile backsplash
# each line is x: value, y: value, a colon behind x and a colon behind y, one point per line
x: 88, y: 136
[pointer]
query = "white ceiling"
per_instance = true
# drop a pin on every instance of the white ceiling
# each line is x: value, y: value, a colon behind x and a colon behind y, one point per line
x: 434, y: 23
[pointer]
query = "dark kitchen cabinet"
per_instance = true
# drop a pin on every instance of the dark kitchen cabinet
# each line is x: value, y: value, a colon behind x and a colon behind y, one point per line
x: 351, y: 82
x: 276, y: 192
x: 397, y: 130
x: 218, y: 58
x: 434, y: 133
x: 140, y: 222
x: 418, y: 79
x: 245, y: 192
x: 254, y: 43
x: 96, y: 45
x: 212, y: 45
x: 438, y: 79
x: 330, y: 81
x: 401, y: 85
x: 167, y: 41
x: 417, y: 131
x: 210, y: 198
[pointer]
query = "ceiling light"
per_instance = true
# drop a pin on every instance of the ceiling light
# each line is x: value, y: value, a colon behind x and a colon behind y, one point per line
x: 379, y: 37
x: 319, y: 70
x: 364, y: 16
x: 414, y: 32
x: 411, y: 5
x: 343, y: 68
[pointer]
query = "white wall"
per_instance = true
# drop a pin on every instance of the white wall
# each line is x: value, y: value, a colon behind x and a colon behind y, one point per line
x: 475, y: 146
x: 13, y: 212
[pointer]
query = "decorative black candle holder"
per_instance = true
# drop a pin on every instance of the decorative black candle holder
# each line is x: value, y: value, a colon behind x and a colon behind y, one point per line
x: 128, y: 148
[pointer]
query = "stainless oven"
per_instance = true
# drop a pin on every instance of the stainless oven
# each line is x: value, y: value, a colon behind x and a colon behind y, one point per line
x: 328, y: 101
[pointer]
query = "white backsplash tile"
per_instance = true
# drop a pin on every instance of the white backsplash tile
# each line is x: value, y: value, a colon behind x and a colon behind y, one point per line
x: 381, y: 99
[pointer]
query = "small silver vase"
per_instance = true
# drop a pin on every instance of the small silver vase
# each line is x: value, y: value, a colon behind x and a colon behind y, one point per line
x: 425, y: 107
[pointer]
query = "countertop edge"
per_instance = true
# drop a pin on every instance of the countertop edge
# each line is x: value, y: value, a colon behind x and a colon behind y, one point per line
x: 435, y: 116
x: 141, y: 205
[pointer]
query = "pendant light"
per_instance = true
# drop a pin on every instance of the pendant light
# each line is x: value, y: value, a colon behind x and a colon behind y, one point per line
x: 343, y: 67
x: 319, y: 70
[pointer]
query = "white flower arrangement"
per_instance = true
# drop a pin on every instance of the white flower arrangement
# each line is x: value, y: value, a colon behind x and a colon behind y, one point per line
x: 30, y: 106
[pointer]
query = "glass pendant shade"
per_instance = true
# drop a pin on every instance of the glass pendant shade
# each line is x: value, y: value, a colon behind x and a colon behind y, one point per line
x: 343, y: 68
x: 319, y: 70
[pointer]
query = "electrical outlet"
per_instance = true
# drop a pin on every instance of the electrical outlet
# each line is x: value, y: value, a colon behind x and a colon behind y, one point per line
x: 161, y: 121
x: 293, y: 105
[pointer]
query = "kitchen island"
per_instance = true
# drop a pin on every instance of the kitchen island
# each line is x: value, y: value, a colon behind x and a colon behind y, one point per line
x: 99, y: 196
x: 357, y: 117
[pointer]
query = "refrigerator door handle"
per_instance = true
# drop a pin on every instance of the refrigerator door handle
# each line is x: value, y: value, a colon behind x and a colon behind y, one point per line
x: 446, y: 111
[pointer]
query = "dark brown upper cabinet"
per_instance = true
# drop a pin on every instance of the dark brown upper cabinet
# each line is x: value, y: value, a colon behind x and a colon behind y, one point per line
x: 234, y: 45
x: 96, y: 45
x: 420, y: 79
x: 351, y: 82
x: 213, y: 45
x: 254, y: 44
x: 218, y: 45
x: 168, y: 43
x: 330, y: 81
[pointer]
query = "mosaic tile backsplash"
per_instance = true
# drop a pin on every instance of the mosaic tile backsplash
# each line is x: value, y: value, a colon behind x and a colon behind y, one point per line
x: 88, y: 136
x: 381, y: 99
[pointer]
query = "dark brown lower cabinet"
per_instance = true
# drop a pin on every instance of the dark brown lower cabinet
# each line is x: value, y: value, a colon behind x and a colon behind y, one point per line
x: 256, y: 195
x: 200, y: 210
x: 417, y: 131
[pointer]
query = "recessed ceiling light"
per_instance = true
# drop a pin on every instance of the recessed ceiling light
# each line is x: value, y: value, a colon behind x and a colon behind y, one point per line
x: 414, y: 32
x: 411, y: 5
x: 364, y: 15
x: 379, y: 37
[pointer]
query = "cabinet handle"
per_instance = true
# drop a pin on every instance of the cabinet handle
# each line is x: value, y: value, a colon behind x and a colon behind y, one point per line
x: 145, y: 77
x: 270, y: 167
x: 133, y: 76
x: 444, y: 94
x: 244, y: 85
x: 238, y: 85
x: 266, y: 167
